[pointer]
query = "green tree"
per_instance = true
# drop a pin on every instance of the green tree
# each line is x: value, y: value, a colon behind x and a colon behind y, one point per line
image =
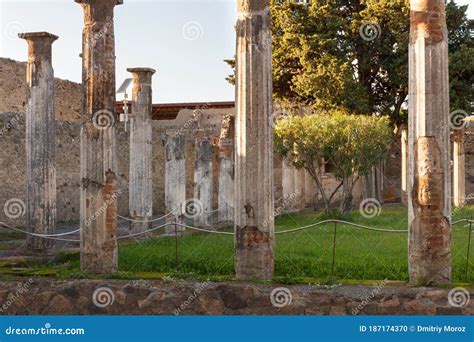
x: 352, y: 144
x: 353, y: 54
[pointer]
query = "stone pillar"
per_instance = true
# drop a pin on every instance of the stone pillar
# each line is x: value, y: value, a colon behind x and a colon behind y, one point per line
x: 429, y: 181
x: 40, y: 141
x: 289, y: 186
x: 175, y: 175
x: 98, y: 156
x: 459, y: 172
x: 254, y: 143
x: 141, y: 167
x: 226, y: 171
x: 203, y: 181
x: 404, y: 163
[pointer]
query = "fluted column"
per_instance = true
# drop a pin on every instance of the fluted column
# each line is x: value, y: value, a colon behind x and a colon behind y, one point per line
x: 226, y: 171
x: 254, y: 143
x: 429, y: 183
x: 459, y: 172
x: 175, y: 176
x: 141, y: 167
x: 404, y: 164
x: 98, y: 155
x: 203, y: 180
x: 40, y: 141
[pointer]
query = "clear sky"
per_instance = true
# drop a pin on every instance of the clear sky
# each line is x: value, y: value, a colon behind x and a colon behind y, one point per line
x: 186, y: 41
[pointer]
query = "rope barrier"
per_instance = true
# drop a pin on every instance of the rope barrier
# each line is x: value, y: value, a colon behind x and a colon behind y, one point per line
x: 154, y: 220
x: 56, y: 236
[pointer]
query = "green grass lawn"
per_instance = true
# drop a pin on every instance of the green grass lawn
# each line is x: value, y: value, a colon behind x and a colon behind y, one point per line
x: 300, y: 257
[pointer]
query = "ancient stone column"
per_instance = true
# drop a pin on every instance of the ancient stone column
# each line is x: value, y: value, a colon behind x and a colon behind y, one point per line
x: 429, y: 182
x: 203, y: 182
x: 404, y: 163
x: 459, y: 172
x: 175, y: 175
x: 226, y: 170
x: 141, y: 167
x: 254, y: 143
x: 40, y: 141
x: 98, y: 156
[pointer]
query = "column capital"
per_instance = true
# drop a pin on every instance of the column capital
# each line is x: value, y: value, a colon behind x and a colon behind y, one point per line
x: 141, y: 74
x: 44, y: 36
x: 99, y: 2
x: 249, y: 6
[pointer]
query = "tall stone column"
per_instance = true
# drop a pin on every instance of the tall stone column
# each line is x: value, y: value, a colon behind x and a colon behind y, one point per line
x: 254, y: 143
x: 40, y: 141
x: 404, y: 164
x: 141, y: 167
x: 429, y: 182
x: 459, y: 172
x: 226, y: 171
x: 175, y: 175
x: 98, y: 155
x: 203, y: 181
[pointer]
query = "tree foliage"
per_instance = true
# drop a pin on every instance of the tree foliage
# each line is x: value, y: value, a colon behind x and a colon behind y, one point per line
x: 323, y: 56
x: 352, y: 144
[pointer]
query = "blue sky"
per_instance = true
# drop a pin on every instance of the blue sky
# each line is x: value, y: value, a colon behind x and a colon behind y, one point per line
x: 186, y: 41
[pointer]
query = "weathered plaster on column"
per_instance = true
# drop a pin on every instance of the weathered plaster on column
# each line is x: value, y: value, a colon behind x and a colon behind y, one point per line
x: 254, y: 143
x: 459, y: 171
x: 98, y: 155
x: 175, y: 175
x: 429, y: 183
x: 141, y: 167
x: 404, y: 164
x: 203, y: 180
x: 226, y: 171
x: 40, y: 141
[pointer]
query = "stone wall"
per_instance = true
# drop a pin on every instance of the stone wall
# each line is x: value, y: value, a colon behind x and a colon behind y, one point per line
x: 28, y: 296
